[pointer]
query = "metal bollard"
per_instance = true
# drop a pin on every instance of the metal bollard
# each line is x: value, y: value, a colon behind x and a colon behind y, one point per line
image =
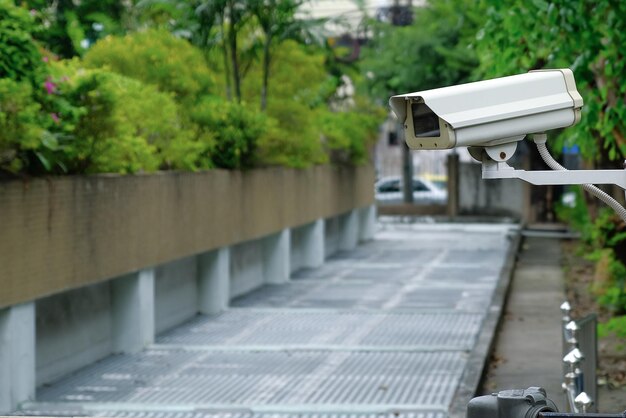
x: 579, y: 377
x: 566, y: 309
x: 571, y: 333
x: 588, y: 344
x: 573, y: 378
x: 565, y: 319
x: 583, y: 402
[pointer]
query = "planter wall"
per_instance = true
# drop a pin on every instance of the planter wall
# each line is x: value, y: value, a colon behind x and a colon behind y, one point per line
x: 66, y: 233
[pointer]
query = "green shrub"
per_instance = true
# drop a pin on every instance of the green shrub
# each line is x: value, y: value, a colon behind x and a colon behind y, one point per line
x: 615, y: 326
x: 155, y: 57
x: 297, y: 84
x: 19, y: 55
x: 294, y: 139
x: 235, y: 129
x: 127, y: 126
x: 349, y: 134
x: 20, y: 131
x: 607, y: 236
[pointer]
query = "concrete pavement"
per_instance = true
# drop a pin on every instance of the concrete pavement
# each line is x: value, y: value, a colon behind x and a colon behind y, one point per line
x: 398, y: 327
x: 528, y: 350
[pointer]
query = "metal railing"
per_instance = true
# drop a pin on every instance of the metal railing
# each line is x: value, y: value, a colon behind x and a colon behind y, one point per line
x: 580, y: 361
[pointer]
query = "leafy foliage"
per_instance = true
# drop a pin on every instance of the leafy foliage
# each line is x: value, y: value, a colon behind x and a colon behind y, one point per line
x: 432, y: 52
x: 150, y: 99
x: 295, y: 137
x: 20, y: 58
x: 349, y: 134
x: 285, y: 145
x: 155, y: 57
x: 69, y: 27
x: 608, y: 237
x: 20, y: 130
x: 586, y: 36
x: 615, y: 326
x: 235, y: 129
x: 127, y: 127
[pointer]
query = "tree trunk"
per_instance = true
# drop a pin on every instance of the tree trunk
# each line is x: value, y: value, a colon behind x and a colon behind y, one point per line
x: 229, y: 87
x: 235, y: 64
x: 232, y: 40
x: 266, y: 70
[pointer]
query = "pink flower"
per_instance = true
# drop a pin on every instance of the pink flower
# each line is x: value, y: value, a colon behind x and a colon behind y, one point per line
x: 33, y: 12
x: 50, y: 86
x: 55, y: 118
x: 45, y: 59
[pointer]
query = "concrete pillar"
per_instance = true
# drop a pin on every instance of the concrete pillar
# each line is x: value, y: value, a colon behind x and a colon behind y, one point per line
x: 133, y: 311
x: 214, y: 281
x: 175, y: 293
x: 367, y: 227
x: 332, y: 235
x: 276, y: 252
x: 313, y: 244
x: 17, y: 355
x: 348, y: 230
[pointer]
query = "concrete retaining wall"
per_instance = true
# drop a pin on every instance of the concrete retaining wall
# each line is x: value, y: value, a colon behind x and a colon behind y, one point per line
x: 67, y: 233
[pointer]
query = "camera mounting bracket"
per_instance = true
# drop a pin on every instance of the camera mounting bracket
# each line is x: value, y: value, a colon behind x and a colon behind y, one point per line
x: 496, y: 168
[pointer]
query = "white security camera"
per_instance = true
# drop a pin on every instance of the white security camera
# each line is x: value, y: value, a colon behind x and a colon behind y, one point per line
x: 491, y: 112
x: 490, y: 117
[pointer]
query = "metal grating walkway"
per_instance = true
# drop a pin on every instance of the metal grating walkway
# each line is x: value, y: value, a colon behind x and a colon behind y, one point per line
x: 60, y: 412
x: 282, y: 329
x: 292, y: 378
x: 381, y: 331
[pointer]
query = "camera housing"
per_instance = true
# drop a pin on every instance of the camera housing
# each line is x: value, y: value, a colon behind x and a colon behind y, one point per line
x: 490, y: 112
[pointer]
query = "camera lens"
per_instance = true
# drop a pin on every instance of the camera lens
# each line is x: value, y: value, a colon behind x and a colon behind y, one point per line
x: 425, y: 122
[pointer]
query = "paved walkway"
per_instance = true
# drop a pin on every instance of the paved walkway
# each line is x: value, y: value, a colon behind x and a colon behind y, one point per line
x: 388, y: 329
x: 528, y: 350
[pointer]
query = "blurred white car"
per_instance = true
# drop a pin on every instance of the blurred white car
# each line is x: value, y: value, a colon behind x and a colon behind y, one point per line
x: 388, y: 190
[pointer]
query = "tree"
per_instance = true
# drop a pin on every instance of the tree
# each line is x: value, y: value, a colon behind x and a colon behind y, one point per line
x: 277, y: 19
x: 207, y: 24
x: 70, y: 26
x: 432, y: 52
x: 589, y: 37
x: 229, y: 16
